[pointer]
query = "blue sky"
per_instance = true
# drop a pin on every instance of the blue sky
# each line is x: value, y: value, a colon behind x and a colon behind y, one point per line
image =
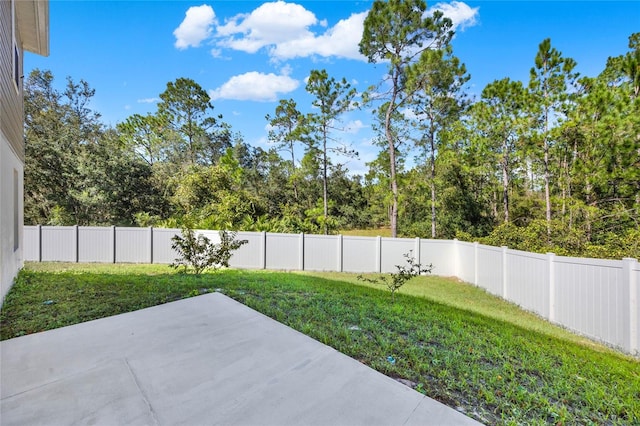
x: 250, y: 54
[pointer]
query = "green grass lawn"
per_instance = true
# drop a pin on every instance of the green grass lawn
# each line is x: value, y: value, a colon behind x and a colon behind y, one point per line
x: 449, y: 340
x: 379, y: 232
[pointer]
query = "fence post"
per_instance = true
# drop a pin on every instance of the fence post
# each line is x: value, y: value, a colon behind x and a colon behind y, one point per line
x: 379, y: 254
x: 151, y: 244
x: 340, y: 257
x: 39, y: 243
x: 76, y: 238
x: 264, y: 250
x: 551, y: 258
x: 113, y: 242
x: 629, y: 266
x: 417, y: 251
x: 504, y: 273
x: 475, y: 262
x: 301, y: 262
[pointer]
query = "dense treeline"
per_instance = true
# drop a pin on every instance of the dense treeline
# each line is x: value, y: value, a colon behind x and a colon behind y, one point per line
x: 552, y: 164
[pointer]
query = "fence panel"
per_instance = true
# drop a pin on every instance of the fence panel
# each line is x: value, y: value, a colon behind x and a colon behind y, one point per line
x: 95, y: 244
x: 212, y: 235
x: 283, y: 251
x: 133, y: 245
x: 360, y: 254
x: 250, y: 255
x: 31, y: 243
x: 528, y: 281
x: 162, y: 251
x: 466, y: 262
x: 58, y: 243
x: 440, y: 254
x: 321, y: 253
x: 597, y: 298
x: 393, y: 251
x: 490, y: 269
x: 590, y: 297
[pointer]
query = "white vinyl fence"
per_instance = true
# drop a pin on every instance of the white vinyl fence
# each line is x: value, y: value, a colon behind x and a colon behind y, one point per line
x: 596, y: 298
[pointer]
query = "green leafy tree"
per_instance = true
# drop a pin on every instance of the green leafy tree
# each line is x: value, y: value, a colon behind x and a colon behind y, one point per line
x: 58, y: 128
x: 286, y: 126
x: 378, y: 180
x: 436, y: 80
x: 397, y: 32
x: 196, y: 136
x: 332, y: 99
x: 265, y: 175
x: 145, y: 134
x: 214, y: 197
x: 602, y: 133
x: 549, y: 83
x: 123, y: 182
x: 500, y: 122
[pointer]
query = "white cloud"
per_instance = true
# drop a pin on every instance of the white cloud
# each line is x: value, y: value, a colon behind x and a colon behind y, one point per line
x: 462, y: 16
x: 409, y: 114
x: 269, y: 24
x: 354, y: 127
x: 284, y: 29
x: 148, y: 100
x: 255, y: 86
x: 196, y: 27
x: 288, y: 30
x: 341, y: 41
x: 286, y: 70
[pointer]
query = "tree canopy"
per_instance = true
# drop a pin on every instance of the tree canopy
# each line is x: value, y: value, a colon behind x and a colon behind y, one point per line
x: 549, y: 164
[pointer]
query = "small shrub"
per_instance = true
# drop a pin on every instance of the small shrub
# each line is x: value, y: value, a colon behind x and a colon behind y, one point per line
x: 199, y: 253
x: 395, y: 280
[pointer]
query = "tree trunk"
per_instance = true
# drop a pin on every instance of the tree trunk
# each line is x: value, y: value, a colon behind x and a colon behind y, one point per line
x: 587, y: 198
x: 505, y: 181
x: 324, y: 183
x: 433, y: 183
x: 392, y: 176
x: 547, y: 195
x: 392, y: 160
x: 293, y: 169
x: 494, y: 204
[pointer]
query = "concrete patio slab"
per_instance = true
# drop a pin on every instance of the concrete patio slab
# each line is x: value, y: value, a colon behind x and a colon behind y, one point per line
x: 204, y: 360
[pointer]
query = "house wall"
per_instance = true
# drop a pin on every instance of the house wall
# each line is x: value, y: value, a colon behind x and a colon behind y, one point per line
x: 11, y: 205
x: 11, y: 116
x: 11, y: 150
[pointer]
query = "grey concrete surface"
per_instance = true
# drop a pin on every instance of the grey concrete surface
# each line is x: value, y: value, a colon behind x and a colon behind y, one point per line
x: 206, y: 360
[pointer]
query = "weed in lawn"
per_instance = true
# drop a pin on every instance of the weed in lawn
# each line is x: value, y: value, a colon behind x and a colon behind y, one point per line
x: 395, y: 280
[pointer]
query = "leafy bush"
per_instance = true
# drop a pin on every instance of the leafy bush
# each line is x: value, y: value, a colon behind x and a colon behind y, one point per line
x: 199, y: 253
x: 563, y: 241
x: 395, y: 280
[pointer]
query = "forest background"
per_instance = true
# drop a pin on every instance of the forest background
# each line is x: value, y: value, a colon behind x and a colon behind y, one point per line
x: 550, y: 165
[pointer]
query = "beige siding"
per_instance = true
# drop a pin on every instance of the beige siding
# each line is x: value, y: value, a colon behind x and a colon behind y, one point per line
x: 11, y: 115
